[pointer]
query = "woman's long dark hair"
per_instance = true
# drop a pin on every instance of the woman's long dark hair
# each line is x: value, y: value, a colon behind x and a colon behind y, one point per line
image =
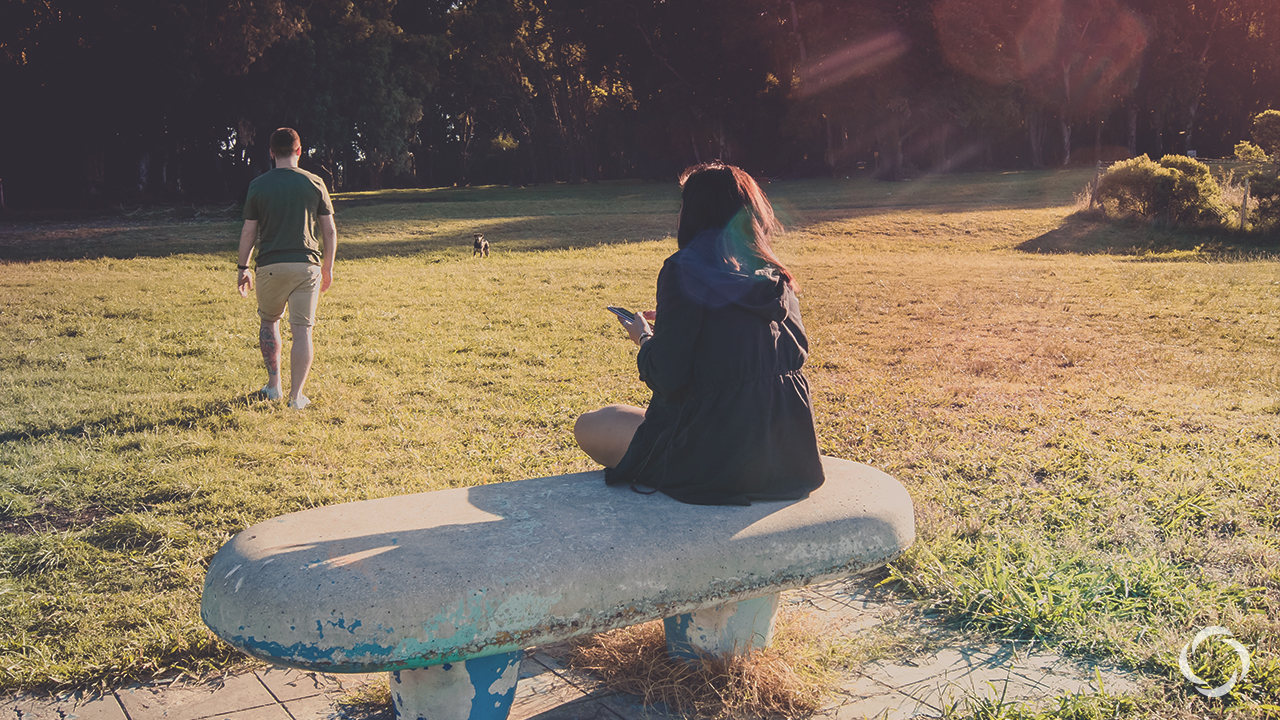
x: 722, y: 198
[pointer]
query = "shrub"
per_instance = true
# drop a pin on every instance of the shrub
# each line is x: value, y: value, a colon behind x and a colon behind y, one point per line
x: 1264, y: 208
x: 1176, y: 190
x: 1133, y: 187
x: 1250, y: 153
x: 1266, y: 132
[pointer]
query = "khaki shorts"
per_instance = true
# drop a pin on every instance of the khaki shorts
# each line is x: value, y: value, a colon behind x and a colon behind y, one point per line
x: 295, y: 283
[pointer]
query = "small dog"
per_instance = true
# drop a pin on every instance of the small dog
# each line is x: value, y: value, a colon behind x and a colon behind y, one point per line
x: 480, y: 246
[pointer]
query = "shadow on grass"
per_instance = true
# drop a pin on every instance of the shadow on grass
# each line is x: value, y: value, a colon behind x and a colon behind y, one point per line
x: 1090, y: 234
x: 110, y: 238
x: 126, y: 421
x: 393, y: 223
x: 358, y: 237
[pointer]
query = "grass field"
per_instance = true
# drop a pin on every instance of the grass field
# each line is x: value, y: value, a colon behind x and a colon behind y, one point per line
x: 1087, y: 415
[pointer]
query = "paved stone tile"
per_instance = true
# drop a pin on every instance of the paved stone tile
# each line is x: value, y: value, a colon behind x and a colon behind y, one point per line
x: 888, y: 706
x: 540, y: 692
x: 238, y: 693
x: 555, y: 658
x: 952, y: 675
x: 906, y: 672
x: 537, y: 660
x: 105, y: 707
x: 845, y: 606
x: 322, y: 707
x: 26, y: 706
x: 980, y: 683
x: 1064, y: 675
x: 66, y: 707
x: 264, y: 712
x: 583, y: 709
x: 861, y: 697
x: 629, y: 707
x: 291, y: 684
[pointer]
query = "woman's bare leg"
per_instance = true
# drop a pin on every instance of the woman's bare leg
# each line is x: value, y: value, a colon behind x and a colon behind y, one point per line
x: 606, y: 433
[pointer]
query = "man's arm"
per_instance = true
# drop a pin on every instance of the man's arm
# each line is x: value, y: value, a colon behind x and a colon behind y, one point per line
x: 248, y: 236
x: 329, y: 236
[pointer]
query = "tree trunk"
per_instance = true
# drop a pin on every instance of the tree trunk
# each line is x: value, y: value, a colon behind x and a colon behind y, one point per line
x: 1133, y: 130
x: 1066, y: 142
x: 831, y: 146
x: 795, y: 30
x: 891, y: 152
x: 468, y: 133
x: 1035, y: 134
x: 1204, y: 70
x: 1244, y: 205
x: 1191, y: 124
x: 940, y: 162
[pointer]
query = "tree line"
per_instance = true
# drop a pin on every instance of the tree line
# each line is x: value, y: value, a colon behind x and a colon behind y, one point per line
x: 128, y: 100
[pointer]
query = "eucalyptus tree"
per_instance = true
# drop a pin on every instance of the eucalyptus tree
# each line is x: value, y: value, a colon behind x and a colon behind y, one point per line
x: 115, y: 94
x: 693, y: 80
x: 352, y: 82
x: 1241, y: 77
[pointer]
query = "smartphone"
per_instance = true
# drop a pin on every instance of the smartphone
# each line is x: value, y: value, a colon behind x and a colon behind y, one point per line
x: 623, y: 313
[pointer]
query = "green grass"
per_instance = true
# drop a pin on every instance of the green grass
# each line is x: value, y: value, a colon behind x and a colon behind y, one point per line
x: 1087, y: 415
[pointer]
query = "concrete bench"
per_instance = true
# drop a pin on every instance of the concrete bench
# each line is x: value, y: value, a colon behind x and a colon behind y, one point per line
x: 445, y: 589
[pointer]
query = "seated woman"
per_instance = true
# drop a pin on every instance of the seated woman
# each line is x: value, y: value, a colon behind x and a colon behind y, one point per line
x: 731, y: 419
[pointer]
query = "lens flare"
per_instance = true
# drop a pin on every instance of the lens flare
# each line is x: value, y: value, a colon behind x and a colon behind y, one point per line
x: 857, y: 59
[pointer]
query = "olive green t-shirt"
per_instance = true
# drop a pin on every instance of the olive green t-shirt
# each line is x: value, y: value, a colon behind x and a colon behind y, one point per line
x: 286, y: 202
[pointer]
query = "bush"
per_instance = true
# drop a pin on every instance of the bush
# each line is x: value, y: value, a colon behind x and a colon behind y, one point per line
x: 1176, y: 190
x: 1266, y: 132
x: 1264, y: 208
x: 1249, y: 153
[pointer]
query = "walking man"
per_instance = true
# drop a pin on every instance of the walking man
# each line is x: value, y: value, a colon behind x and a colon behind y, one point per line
x: 281, y: 213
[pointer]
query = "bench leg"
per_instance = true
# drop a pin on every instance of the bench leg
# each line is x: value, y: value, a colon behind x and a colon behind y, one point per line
x: 477, y: 689
x: 734, y: 628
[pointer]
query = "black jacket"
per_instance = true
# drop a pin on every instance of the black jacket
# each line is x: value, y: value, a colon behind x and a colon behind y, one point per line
x: 731, y: 419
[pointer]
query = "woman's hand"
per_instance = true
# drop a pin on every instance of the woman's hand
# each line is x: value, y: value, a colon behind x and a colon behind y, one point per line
x: 638, y: 328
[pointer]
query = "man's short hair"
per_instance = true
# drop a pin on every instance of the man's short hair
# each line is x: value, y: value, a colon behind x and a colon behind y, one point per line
x: 285, y: 142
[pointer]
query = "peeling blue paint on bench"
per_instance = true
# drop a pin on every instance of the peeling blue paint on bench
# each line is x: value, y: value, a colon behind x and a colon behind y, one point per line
x: 479, y: 689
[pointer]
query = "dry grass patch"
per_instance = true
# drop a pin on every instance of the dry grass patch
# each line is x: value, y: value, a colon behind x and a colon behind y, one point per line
x: 789, y: 678
x: 370, y: 701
